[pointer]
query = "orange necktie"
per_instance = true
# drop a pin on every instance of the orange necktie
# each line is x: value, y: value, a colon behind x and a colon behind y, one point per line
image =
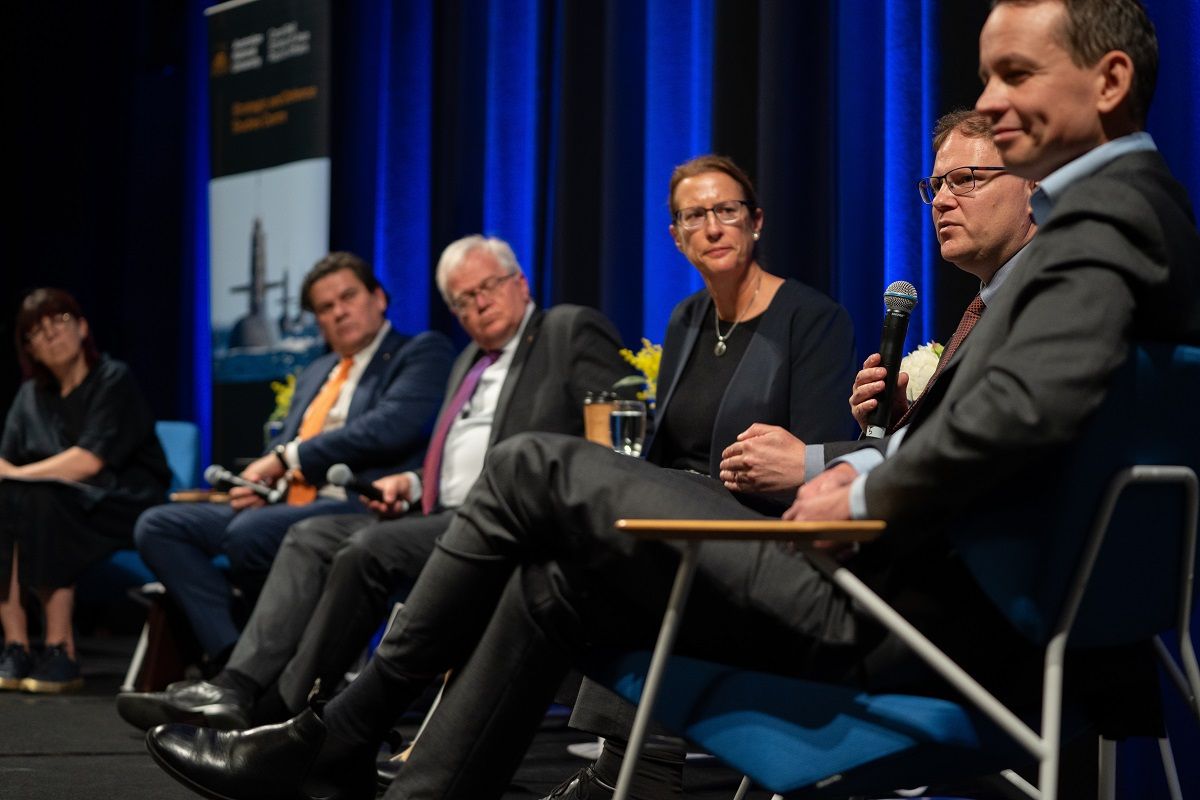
x: 301, y: 491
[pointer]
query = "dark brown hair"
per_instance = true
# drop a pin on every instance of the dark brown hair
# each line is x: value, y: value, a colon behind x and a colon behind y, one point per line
x: 333, y: 263
x: 967, y: 121
x: 37, y: 305
x: 711, y: 163
x: 1092, y: 28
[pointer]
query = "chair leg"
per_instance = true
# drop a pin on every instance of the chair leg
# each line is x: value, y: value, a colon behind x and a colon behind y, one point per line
x: 1168, y: 762
x: 1010, y: 784
x: 658, y: 664
x: 135, y: 663
x: 1106, y: 781
x: 1183, y: 683
x: 743, y: 787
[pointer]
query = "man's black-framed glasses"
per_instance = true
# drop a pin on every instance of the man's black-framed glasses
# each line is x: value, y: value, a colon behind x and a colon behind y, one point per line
x: 728, y: 212
x: 960, y: 181
x: 465, y: 301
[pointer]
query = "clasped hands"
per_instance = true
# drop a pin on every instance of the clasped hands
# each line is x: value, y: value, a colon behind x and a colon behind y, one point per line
x: 768, y: 458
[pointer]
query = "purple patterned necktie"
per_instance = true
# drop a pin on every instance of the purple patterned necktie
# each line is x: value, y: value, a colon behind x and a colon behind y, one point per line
x: 437, y: 445
x: 969, y: 318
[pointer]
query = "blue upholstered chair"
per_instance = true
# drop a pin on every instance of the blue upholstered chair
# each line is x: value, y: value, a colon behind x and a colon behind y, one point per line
x: 181, y: 444
x: 124, y: 568
x: 1060, y: 566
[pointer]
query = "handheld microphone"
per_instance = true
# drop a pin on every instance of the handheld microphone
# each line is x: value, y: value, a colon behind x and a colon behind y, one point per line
x: 340, y: 475
x: 215, y: 474
x: 900, y: 298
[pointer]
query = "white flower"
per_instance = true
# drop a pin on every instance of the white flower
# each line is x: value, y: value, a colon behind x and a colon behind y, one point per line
x: 920, y: 365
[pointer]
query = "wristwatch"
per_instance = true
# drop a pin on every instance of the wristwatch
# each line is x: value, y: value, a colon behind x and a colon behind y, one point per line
x: 281, y: 453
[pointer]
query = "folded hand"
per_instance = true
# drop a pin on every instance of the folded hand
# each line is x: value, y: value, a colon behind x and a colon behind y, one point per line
x: 765, y: 458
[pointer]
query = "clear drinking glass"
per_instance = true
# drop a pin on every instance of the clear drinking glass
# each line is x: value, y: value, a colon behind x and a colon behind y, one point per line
x: 628, y: 424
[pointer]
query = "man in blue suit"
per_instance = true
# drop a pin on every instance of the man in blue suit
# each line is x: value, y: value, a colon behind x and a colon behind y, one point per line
x: 370, y: 404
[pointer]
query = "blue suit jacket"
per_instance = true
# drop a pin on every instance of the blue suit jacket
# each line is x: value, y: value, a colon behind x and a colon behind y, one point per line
x: 391, y: 414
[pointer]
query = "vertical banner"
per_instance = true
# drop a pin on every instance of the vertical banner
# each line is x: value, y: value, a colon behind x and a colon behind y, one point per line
x: 268, y: 204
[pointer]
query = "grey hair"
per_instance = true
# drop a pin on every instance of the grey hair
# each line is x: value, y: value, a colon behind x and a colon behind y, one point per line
x: 457, y: 251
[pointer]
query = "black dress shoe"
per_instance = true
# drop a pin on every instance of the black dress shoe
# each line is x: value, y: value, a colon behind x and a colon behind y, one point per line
x: 194, y: 702
x: 583, y: 785
x: 274, y: 762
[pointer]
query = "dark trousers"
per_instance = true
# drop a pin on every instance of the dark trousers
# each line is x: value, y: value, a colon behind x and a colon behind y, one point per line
x: 326, y: 594
x: 59, y: 531
x: 179, y: 540
x: 530, y: 574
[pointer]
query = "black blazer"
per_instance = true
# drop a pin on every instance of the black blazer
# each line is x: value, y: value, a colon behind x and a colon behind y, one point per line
x: 564, y: 353
x: 796, y: 372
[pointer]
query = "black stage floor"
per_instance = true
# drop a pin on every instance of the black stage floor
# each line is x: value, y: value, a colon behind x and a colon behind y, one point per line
x: 75, y: 746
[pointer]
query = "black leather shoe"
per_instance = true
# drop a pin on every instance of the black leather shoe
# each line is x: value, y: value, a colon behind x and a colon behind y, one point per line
x: 274, y: 762
x: 194, y: 702
x: 583, y: 785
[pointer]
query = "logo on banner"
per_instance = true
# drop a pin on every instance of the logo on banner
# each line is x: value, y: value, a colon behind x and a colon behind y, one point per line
x: 219, y: 67
x: 246, y: 52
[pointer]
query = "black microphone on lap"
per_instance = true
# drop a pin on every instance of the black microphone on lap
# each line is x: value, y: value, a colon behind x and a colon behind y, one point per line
x: 900, y: 298
x: 341, y: 475
x: 214, y: 474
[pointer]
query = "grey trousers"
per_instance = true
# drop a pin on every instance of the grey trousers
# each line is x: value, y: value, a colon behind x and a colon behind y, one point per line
x: 326, y: 594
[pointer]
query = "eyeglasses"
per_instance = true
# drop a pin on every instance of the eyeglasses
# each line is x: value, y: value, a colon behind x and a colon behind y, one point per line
x: 727, y: 213
x: 961, y: 180
x: 466, y: 300
x: 42, y: 329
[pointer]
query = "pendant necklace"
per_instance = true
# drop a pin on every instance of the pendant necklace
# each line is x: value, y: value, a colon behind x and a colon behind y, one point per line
x: 719, y: 348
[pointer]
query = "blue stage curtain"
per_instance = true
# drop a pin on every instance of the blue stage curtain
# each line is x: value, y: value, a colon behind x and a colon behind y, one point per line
x: 885, y: 79
x: 196, y: 348
x: 1175, y: 113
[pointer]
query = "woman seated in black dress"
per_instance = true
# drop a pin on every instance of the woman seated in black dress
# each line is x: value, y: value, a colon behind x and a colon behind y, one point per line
x: 79, y: 461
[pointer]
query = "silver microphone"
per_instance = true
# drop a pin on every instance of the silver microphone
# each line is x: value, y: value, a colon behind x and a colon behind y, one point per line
x: 341, y: 475
x: 214, y: 474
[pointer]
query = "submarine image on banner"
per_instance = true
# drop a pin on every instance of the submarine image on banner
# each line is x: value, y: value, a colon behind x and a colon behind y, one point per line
x: 254, y: 329
x: 260, y: 345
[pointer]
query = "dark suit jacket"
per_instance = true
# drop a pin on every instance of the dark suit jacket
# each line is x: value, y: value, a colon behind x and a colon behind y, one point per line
x: 1118, y: 259
x: 391, y: 413
x: 564, y: 353
x: 795, y: 373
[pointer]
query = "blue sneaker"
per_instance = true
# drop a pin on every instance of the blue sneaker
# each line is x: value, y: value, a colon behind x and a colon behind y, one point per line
x: 53, y: 673
x: 15, y: 662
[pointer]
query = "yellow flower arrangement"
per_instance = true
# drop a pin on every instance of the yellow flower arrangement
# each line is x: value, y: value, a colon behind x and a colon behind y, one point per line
x: 645, y: 361
x: 284, y: 391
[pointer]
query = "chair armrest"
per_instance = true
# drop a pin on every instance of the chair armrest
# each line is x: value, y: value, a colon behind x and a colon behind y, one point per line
x: 698, y: 530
